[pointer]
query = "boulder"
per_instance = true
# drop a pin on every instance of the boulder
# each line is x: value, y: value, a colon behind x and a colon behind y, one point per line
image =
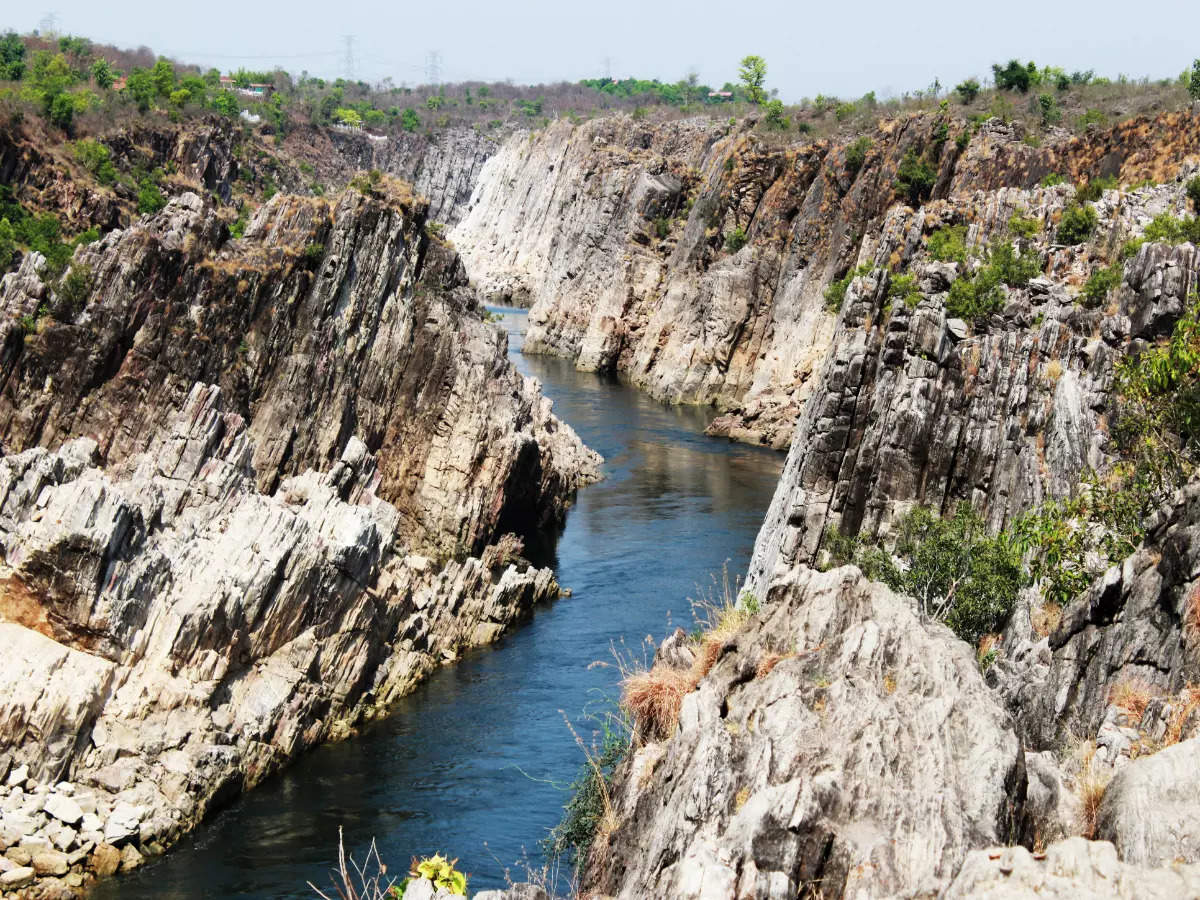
x: 130, y: 858
x: 63, y: 808
x: 105, y: 861
x: 16, y: 878
x: 1151, y: 809
x: 1070, y: 869
x: 50, y: 862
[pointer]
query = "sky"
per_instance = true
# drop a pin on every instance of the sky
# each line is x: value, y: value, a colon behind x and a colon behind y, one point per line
x: 833, y: 48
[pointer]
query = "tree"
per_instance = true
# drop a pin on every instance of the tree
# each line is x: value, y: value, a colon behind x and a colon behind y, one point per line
x: 12, y: 57
x: 1015, y: 77
x: 409, y: 120
x: 753, y: 75
x: 49, y: 78
x: 1194, y: 83
x: 225, y: 103
x: 967, y: 91
x: 163, y: 75
x: 140, y: 87
x: 775, y: 116
x: 103, y: 73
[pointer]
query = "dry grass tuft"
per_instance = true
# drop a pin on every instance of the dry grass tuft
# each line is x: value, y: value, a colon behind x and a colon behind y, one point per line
x: 987, y: 644
x: 1053, y: 372
x: 1191, y: 617
x: 1045, y: 619
x: 655, y: 697
x: 1132, y: 695
x: 769, y: 662
x: 1182, y: 707
x: 354, y: 882
x: 1091, y: 780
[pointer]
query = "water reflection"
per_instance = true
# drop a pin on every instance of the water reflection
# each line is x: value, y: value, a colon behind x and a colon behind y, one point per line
x: 475, y: 761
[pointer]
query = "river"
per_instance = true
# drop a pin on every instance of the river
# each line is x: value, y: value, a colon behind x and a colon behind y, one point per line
x: 475, y: 762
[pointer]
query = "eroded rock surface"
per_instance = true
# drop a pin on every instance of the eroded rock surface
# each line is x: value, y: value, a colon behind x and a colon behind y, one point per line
x: 255, y: 492
x: 868, y: 761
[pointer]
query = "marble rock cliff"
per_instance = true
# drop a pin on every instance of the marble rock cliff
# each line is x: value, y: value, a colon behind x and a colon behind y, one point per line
x: 692, y: 256
x: 254, y: 490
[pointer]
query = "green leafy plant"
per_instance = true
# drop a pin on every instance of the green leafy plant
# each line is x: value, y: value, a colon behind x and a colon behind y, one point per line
x: 904, y: 288
x: 1100, y: 284
x: 835, y: 293
x: 1077, y: 224
x: 967, y: 91
x: 915, y: 178
x: 1052, y: 180
x: 955, y: 570
x: 1024, y: 227
x: 736, y: 239
x: 1095, y: 189
x: 856, y: 154
x: 95, y: 157
x: 1193, y: 193
x: 948, y: 244
x: 440, y: 871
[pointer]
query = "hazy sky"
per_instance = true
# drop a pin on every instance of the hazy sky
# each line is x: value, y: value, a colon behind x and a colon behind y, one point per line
x: 831, y: 47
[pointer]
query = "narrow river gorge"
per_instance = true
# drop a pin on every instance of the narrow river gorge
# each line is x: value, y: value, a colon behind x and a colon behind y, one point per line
x: 475, y: 762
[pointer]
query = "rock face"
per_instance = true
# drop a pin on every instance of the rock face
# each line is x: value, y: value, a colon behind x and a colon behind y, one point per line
x: 867, y: 762
x: 623, y: 238
x: 1069, y: 869
x: 255, y: 493
x: 909, y: 408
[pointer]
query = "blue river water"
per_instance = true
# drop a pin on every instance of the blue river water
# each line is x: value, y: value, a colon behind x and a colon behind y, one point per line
x: 476, y: 762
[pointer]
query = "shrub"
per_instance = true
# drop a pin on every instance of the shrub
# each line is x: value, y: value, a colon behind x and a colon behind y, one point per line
x: 775, y: 115
x: 1101, y: 284
x: 1024, y: 227
x: 313, y: 254
x: 8, y: 244
x: 588, y: 815
x: 440, y: 871
x: 904, y: 288
x: 975, y: 298
x: 1169, y: 230
x: 967, y: 91
x: 1013, y: 76
x: 1193, y: 193
x: 1091, y: 117
x: 1077, y: 224
x: 73, y: 292
x: 835, y: 294
x: 409, y: 120
x: 957, y: 573
x: 915, y: 178
x: 1048, y: 106
x: 1194, y: 81
x: 1095, y: 188
x: 150, y: 198
x: 95, y: 157
x: 949, y: 244
x: 736, y: 239
x: 1052, y: 180
x: 1011, y: 269
x: 856, y: 154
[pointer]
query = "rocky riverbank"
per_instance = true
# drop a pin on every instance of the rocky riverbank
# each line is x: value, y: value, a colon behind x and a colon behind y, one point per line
x: 256, y: 489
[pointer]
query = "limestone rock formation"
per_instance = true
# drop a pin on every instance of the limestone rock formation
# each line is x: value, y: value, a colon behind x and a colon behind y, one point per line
x: 255, y: 492
x: 1068, y: 869
x: 624, y: 237
x: 868, y: 761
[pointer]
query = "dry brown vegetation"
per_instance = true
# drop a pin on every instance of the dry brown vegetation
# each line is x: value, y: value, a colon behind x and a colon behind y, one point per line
x: 1045, y: 618
x: 1132, y: 695
x: 1091, y: 779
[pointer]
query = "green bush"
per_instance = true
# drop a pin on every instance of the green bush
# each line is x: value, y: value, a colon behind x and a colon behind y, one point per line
x: 1101, y: 284
x: 975, y: 298
x: 967, y: 91
x: 1052, y: 180
x: 835, y: 294
x: 736, y: 239
x: 1011, y: 269
x: 949, y: 244
x: 904, y: 288
x: 1048, y: 106
x: 1169, y: 230
x: 957, y: 573
x: 313, y: 254
x: 775, y: 115
x: 8, y: 245
x: 1091, y: 117
x: 12, y: 57
x: 1014, y: 77
x: 1095, y: 189
x: 95, y: 157
x: 856, y: 154
x: 150, y: 198
x: 1077, y: 224
x: 915, y: 178
x: 1193, y: 193
x: 572, y: 838
x: 73, y: 292
x: 1194, y: 81
x: 1024, y: 227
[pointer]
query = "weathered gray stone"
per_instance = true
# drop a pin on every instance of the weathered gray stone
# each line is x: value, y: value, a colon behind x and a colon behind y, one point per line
x: 50, y: 862
x: 63, y: 808
x: 871, y: 758
x: 1070, y: 869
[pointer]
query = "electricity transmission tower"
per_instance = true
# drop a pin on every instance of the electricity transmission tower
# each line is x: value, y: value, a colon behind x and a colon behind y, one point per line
x: 349, y: 61
x: 433, y: 67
